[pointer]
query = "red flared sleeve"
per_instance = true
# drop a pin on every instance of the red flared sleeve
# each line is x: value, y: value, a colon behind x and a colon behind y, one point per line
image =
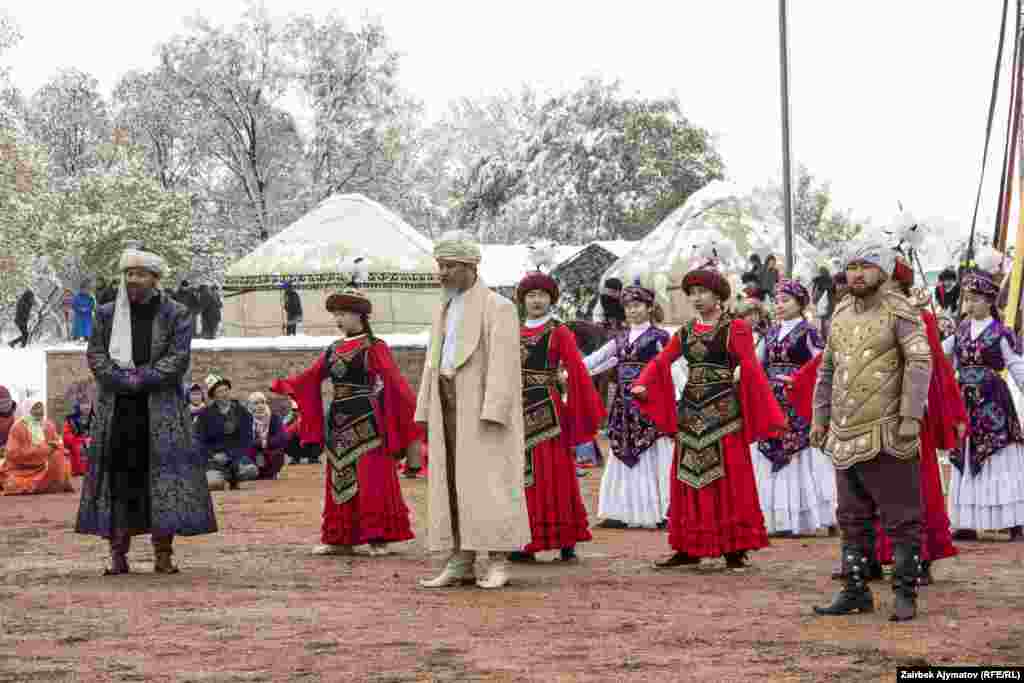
x: 762, y: 417
x: 945, y: 405
x: 396, y: 404
x: 304, y: 388
x: 658, y: 403
x: 801, y: 392
x: 582, y: 414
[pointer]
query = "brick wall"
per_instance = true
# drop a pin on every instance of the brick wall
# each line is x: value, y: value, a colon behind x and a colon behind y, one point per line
x: 248, y: 369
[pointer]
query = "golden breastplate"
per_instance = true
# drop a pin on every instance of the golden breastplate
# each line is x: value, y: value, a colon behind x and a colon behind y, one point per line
x: 866, y: 388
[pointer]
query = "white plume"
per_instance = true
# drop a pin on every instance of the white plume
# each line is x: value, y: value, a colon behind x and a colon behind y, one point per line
x: 989, y: 260
x: 909, y: 230
x: 357, y: 268
x: 542, y: 255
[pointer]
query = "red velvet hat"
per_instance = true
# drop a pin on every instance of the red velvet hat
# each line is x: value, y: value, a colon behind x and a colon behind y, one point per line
x: 349, y: 300
x: 903, y: 272
x: 708, y: 277
x: 537, y: 280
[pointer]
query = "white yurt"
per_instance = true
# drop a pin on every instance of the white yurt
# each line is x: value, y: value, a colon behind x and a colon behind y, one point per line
x: 346, y: 237
x: 738, y: 222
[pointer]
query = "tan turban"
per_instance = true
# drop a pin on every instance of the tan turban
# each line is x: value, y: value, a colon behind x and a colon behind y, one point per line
x: 457, y: 246
x: 135, y: 257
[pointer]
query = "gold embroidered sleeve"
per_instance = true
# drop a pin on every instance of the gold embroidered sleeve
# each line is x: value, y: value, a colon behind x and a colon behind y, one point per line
x: 917, y: 368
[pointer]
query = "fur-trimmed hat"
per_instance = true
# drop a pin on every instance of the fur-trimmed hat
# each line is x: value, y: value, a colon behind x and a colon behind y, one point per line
x: 537, y: 280
x: 213, y: 380
x: 349, y: 300
x: 709, y: 277
x: 902, y: 271
x: 987, y: 275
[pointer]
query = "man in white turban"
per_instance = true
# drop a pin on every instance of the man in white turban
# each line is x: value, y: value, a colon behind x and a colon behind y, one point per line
x: 470, y: 400
x: 144, y: 476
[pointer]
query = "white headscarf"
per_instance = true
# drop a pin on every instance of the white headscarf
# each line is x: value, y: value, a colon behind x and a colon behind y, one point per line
x: 121, y: 333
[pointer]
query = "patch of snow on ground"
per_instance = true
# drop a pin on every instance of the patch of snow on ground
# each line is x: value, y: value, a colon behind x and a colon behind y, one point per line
x: 23, y: 372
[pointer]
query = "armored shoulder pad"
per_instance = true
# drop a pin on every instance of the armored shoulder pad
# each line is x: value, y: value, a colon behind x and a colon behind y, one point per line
x: 901, y: 307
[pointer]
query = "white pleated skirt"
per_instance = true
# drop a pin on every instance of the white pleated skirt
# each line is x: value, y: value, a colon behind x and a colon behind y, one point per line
x: 638, y: 496
x: 801, y: 497
x: 994, y: 499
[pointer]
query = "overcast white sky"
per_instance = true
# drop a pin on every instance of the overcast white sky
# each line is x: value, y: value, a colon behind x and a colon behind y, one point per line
x: 889, y: 99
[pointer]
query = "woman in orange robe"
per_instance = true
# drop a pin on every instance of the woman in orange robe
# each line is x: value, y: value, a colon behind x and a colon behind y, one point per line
x: 35, y: 459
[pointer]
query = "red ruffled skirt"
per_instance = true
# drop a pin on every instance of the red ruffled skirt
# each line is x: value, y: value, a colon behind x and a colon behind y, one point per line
x: 377, y: 513
x: 558, y: 518
x: 936, y: 538
x: 722, y: 517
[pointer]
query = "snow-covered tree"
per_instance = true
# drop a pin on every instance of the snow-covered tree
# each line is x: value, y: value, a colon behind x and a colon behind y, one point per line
x: 68, y: 116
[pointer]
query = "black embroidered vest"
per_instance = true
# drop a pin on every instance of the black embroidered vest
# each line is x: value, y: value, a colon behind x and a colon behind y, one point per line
x: 351, y: 424
x: 540, y: 416
x: 710, y: 408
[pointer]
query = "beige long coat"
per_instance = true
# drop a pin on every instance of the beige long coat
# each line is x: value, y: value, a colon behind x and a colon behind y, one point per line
x: 489, y: 457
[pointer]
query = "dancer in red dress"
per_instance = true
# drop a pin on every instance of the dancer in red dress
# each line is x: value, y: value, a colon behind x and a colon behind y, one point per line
x: 553, y: 428
x: 714, y: 509
x: 367, y: 429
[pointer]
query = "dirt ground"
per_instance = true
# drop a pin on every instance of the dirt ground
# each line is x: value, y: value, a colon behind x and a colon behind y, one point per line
x: 252, y: 604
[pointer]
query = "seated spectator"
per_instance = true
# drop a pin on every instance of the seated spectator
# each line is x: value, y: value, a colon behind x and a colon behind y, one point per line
x: 224, y: 433
x: 269, y: 437
x: 196, y: 401
x: 35, y: 461
x: 76, y: 437
x: 7, y: 417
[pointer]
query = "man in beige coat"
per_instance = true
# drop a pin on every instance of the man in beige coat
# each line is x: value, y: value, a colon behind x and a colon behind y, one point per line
x: 470, y: 401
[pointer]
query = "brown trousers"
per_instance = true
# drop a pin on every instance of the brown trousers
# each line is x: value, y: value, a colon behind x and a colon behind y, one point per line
x: 888, y: 486
x: 448, y: 414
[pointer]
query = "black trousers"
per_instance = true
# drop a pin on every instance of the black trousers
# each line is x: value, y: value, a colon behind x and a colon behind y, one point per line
x: 23, y: 339
x: 887, y: 486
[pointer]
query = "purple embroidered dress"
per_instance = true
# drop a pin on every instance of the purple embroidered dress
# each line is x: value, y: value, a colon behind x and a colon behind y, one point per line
x: 796, y: 484
x: 635, y: 483
x: 784, y: 354
x: 629, y: 432
x: 993, y: 418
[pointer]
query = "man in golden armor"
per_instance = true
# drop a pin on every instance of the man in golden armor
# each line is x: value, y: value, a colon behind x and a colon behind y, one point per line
x: 868, y: 403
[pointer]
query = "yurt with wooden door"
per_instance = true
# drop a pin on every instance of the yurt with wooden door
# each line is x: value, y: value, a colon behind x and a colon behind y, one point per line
x: 741, y: 221
x: 346, y: 237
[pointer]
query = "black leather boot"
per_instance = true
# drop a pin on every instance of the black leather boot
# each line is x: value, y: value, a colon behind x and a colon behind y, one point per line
x: 905, y: 573
x: 855, y: 596
x: 926, y: 574
x: 874, y: 567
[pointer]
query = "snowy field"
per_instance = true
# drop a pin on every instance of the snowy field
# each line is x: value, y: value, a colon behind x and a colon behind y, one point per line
x: 23, y: 372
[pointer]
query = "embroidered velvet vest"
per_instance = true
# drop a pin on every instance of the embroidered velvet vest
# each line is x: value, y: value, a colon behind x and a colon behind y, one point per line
x: 351, y: 424
x: 540, y: 383
x: 710, y: 408
x: 629, y: 432
x: 783, y: 357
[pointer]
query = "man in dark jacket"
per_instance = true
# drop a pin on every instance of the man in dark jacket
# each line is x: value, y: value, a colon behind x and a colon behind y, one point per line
x: 947, y: 292
x: 21, y: 315
x: 292, y: 309
x: 210, y: 306
x: 143, y: 475
x: 106, y: 292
